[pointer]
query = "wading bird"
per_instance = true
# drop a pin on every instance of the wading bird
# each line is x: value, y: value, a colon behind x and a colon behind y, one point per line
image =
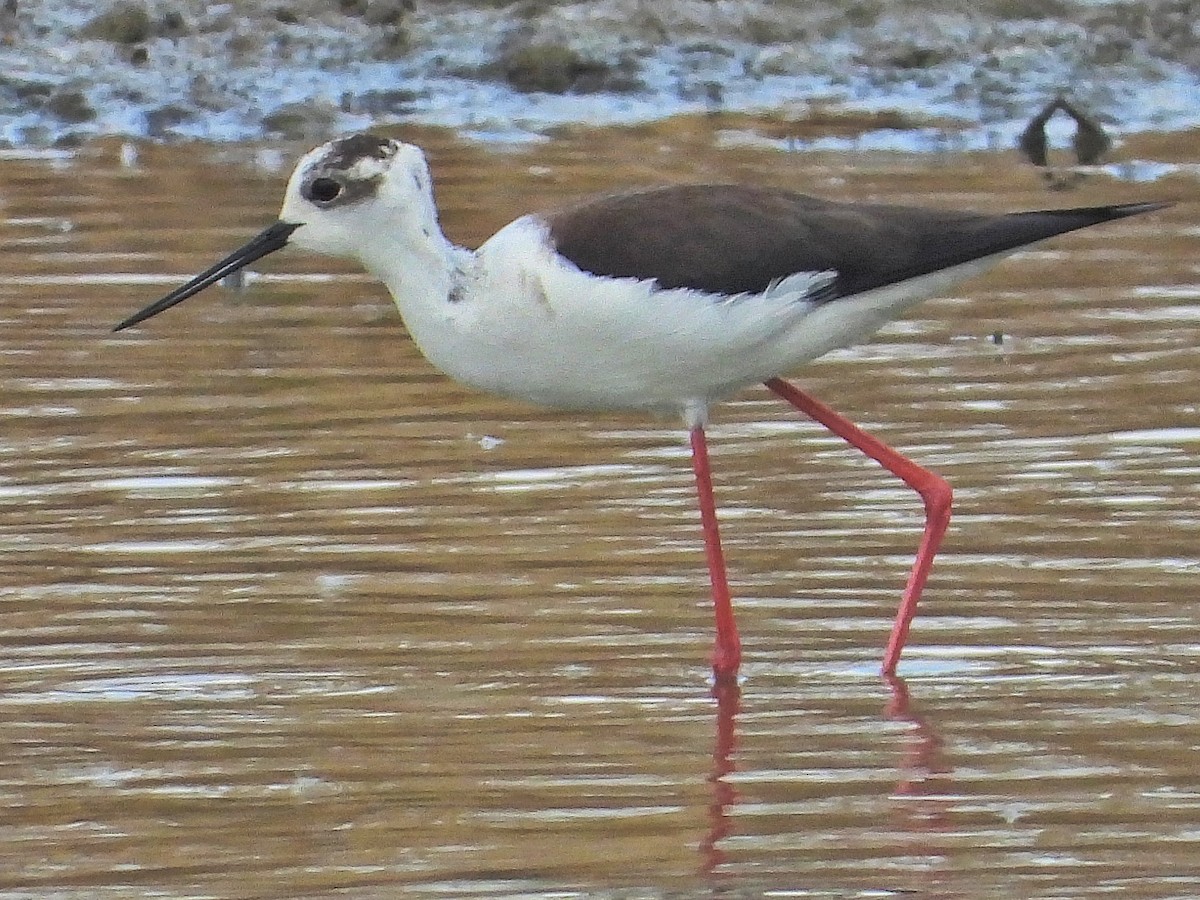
x: 664, y: 299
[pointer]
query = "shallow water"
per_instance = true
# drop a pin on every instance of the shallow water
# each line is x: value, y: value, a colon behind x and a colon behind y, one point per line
x: 288, y: 614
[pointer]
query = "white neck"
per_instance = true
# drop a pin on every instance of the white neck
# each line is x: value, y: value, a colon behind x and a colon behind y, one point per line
x: 427, y: 276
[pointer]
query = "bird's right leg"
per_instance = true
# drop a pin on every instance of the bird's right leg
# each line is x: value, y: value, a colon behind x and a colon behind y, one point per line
x: 727, y: 653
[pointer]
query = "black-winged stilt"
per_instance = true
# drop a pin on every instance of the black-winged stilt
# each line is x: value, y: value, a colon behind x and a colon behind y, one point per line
x: 670, y: 299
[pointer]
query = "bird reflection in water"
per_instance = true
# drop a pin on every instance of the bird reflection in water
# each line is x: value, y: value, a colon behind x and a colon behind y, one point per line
x: 922, y: 775
x: 924, y: 771
x: 728, y: 694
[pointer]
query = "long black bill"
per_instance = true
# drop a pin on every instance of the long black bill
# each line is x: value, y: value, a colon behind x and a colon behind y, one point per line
x: 268, y: 241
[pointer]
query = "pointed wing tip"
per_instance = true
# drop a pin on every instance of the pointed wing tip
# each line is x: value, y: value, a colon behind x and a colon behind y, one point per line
x: 1136, y: 209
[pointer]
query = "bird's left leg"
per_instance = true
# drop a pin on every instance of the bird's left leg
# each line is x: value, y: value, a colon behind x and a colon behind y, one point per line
x: 934, y: 490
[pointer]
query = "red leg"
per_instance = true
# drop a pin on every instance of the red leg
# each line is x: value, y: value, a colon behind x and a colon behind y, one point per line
x: 934, y: 491
x: 727, y: 653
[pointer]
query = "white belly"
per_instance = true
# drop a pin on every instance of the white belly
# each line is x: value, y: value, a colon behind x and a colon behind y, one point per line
x: 535, y: 329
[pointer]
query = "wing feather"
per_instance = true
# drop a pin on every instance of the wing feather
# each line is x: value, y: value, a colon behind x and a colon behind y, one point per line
x: 737, y: 239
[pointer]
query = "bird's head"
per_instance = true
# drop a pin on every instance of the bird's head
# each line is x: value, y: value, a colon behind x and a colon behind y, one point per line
x: 349, y: 192
x: 355, y: 196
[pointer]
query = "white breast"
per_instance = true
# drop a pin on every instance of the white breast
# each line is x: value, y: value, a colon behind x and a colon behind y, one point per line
x: 533, y: 326
x: 529, y: 325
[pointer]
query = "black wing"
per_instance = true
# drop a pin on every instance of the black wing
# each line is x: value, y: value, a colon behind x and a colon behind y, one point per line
x: 731, y: 239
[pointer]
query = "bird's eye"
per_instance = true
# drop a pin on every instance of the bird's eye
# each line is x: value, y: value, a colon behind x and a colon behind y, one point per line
x: 323, y: 190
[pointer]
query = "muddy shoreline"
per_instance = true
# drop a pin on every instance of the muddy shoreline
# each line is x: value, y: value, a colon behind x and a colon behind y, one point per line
x: 181, y: 69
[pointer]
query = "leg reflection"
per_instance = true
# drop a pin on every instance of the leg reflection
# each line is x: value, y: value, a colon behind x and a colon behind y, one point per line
x: 728, y: 696
x: 919, y: 793
x: 923, y: 787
